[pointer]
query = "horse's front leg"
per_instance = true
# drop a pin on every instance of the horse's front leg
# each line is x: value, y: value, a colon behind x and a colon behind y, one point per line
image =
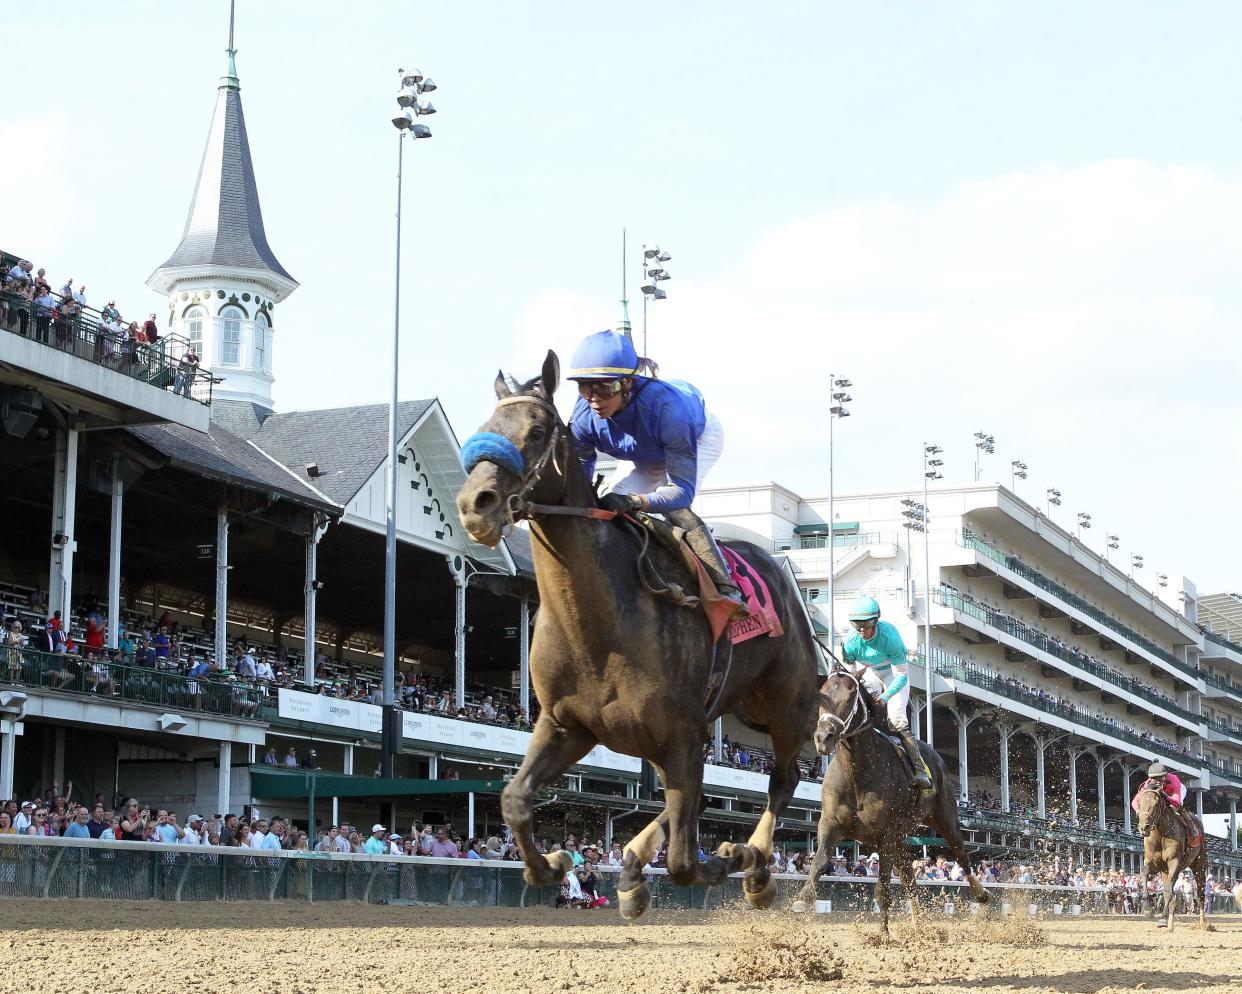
x: 633, y: 892
x: 1146, y: 904
x: 757, y: 885
x: 553, y: 749
x: 1171, y: 869
x: 884, y: 887
x: 829, y: 832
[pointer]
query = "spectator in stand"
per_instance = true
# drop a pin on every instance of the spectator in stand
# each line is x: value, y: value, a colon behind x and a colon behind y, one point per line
x: 110, y: 313
x: 163, y: 645
x: 328, y: 842
x: 228, y: 831
x: 39, y: 822
x: 24, y: 817
x: 291, y: 758
x: 21, y: 273
x: 150, y: 330
x: 45, y: 307
x: 375, y: 844
x: 95, y: 629
x: 269, y: 757
x: 263, y: 671
x: 14, y: 642
x: 442, y: 846
x: 187, y: 369
x: 77, y: 828
x: 242, y: 837
x: 194, y: 834
x: 98, y: 822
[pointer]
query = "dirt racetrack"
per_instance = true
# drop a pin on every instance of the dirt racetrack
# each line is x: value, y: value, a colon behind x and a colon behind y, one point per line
x: 342, y: 948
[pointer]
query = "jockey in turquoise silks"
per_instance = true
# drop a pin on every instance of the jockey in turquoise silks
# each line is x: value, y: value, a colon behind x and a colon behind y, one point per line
x: 663, y: 427
x: 877, y: 644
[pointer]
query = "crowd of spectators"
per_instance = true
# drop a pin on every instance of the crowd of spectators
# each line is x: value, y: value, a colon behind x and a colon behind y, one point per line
x: 756, y: 759
x: 31, y: 308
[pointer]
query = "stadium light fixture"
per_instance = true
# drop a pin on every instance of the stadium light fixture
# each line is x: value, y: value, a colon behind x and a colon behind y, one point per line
x: 984, y: 442
x: 412, y: 106
x: 840, y: 397
x: 1084, y: 521
x: 1162, y: 580
x: 931, y: 471
x: 1017, y: 471
x: 654, y: 273
x: 1054, y: 499
x: 1112, y: 541
x: 1136, y: 563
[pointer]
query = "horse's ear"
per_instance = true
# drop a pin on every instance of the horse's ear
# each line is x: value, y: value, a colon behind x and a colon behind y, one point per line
x: 551, y: 374
x: 502, y: 385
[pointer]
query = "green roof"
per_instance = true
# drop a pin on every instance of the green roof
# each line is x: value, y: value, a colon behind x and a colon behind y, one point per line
x: 822, y: 528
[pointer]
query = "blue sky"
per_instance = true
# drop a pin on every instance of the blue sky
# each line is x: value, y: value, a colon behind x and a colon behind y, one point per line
x: 1016, y: 219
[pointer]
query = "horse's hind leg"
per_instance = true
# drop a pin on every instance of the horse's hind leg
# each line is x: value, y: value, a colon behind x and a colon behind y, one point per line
x: 944, y: 818
x: 553, y: 749
x: 905, y: 870
x: 884, y: 887
x: 1200, y: 868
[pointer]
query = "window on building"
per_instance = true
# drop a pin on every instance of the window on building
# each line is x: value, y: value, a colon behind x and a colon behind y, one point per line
x: 230, y: 336
x: 194, y: 328
x: 260, y: 342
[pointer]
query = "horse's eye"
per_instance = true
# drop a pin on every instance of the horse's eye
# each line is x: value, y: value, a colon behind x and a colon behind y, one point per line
x: 537, y: 433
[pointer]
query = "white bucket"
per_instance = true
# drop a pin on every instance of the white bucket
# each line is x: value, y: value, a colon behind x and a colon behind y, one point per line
x: 823, y: 907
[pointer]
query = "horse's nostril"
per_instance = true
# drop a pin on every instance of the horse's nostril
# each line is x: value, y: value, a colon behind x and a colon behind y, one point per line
x: 485, y: 501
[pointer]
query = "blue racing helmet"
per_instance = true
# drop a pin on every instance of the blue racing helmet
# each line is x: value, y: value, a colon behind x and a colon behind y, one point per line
x: 865, y: 609
x: 606, y: 355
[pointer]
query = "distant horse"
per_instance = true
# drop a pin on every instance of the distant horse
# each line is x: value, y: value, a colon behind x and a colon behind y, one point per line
x: 868, y: 795
x: 612, y: 664
x: 1166, y: 849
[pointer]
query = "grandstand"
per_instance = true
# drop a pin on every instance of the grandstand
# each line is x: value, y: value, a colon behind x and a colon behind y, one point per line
x: 217, y: 569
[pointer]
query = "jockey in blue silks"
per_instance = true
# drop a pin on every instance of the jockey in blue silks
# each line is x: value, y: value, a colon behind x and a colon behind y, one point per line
x: 877, y: 644
x: 663, y: 427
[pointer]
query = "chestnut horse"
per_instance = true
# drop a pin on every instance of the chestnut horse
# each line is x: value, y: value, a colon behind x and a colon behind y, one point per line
x: 868, y: 796
x: 1166, y: 849
x: 612, y: 664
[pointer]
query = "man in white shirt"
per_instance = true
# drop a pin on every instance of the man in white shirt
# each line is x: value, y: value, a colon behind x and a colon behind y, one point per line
x: 489, y: 709
x: 264, y: 671
x: 193, y: 833
x: 21, y: 820
x: 249, y: 669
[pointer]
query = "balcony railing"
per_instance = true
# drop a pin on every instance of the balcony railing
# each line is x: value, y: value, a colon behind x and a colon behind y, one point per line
x: 1041, y: 641
x: 800, y: 542
x: 69, y: 674
x: 1015, y: 565
x: 85, y: 335
x: 953, y: 667
x: 1224, y: 728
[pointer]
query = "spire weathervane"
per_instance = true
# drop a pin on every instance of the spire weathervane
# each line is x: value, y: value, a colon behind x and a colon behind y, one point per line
x: 232, y: 52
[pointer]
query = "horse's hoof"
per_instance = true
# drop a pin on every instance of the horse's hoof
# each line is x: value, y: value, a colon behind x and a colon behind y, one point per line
x: 742, y: 853
x: 760, y: 890
x: 633, y: 904
x: 798, y: 907
x: 562, y: 861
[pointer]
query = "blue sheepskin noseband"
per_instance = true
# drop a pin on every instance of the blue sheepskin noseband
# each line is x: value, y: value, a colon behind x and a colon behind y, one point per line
x: 487, y: 446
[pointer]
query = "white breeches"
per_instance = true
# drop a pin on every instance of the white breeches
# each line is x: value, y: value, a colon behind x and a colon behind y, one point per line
x: 645, y: 478
x: 897, y: 703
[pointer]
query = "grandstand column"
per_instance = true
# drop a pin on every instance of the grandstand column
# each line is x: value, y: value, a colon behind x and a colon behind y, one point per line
x: 58, y: 757
x: 1006, y: 732
x: 8, y: 752
x: 962, y: 715
x: 524, y: 658
x: 1041, y: 805
x: 470, y: 815
x: 317, y: 527
x: 224, y: 778
x: 916, y: 717
x: 349, y: 760
x: 222, y: 580
x: 458, y: 566
x: 1100, y: 764
x: 1199, y: 802
x: 64, y: 503
x: 114, y: 555
x: 1127, y: 771
x: 1233, y: 822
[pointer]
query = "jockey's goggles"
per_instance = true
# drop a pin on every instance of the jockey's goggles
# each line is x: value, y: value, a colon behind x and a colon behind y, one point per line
x: 599, y: 388
x: 865, y: 623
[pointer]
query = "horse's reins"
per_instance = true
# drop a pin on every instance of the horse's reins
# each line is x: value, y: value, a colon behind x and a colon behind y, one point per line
x: 857, y: 705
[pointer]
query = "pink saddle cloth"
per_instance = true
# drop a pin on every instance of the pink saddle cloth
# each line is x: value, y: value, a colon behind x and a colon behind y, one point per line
x: 762, y: 618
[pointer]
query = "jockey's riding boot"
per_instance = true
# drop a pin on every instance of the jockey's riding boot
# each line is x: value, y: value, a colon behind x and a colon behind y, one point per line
x: 703, y: 544
x: 921, y: 779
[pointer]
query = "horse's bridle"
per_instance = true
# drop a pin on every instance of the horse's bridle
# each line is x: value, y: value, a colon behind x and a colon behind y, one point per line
x: 517, y: 507
x: 845, y: 732
x: 1151, y: 787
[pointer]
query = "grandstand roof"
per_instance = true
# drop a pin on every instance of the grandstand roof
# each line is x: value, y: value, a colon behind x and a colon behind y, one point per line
x: 1222, y: 614
x: 220, y: 455
x: 348, y: 443
x: 225, y: 223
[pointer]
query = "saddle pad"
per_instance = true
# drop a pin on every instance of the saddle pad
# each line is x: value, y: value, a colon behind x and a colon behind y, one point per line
x: 762, y: 619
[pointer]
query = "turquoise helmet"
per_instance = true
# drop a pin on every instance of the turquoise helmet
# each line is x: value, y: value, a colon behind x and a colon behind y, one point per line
x: 865, y: 608
x: 606, y: 355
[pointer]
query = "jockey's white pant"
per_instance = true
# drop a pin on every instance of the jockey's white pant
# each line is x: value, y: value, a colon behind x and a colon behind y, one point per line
x: 645, y: 478
x: 896, y: 704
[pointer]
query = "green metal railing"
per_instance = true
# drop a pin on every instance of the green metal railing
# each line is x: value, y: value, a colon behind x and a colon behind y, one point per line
x: 955, y: 668
x: 1015, y: 565
x: 84, y: 335
x: 1221, y: 640
x: 1034, y: 637
x: 138, y: 871
x: 65, y: 674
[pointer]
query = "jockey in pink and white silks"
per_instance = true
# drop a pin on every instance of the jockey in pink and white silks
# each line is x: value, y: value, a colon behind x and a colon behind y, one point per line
x: 877, y: 645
